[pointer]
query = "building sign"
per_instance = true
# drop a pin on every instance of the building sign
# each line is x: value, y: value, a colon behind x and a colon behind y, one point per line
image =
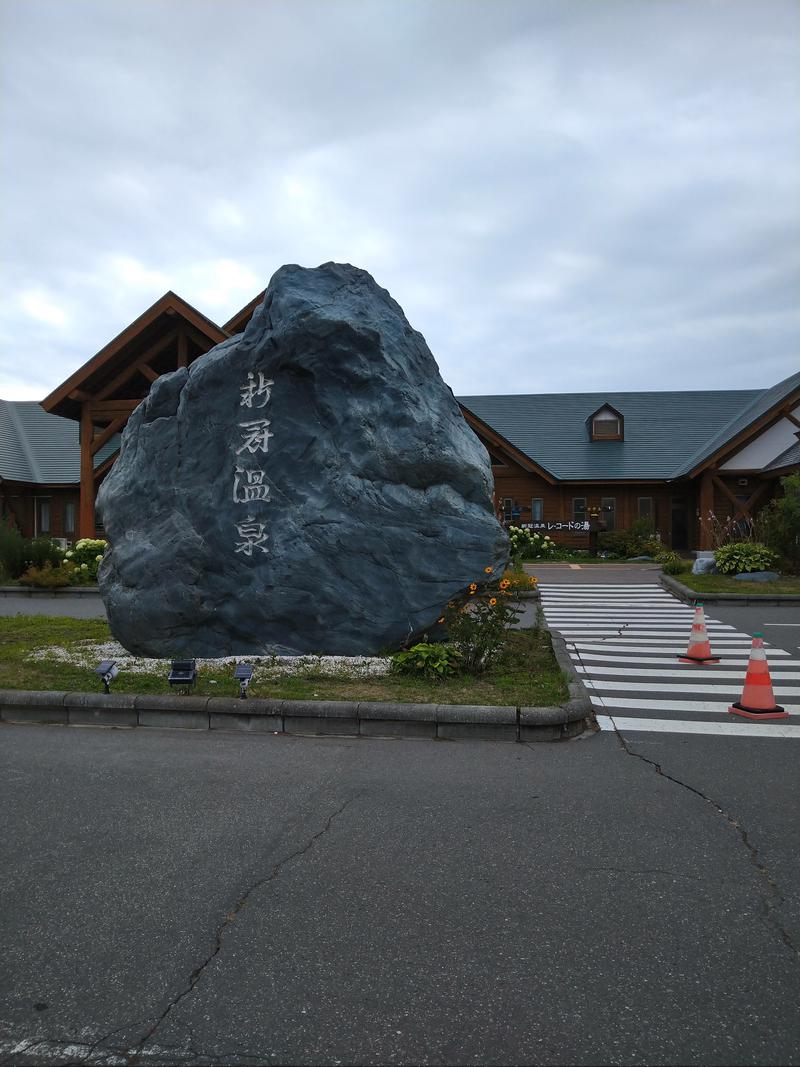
x: 574, y: 527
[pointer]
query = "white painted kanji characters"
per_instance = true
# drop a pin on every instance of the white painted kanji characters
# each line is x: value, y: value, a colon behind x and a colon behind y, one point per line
x: 254, y: 389
x: 249, y: 486
x: 255, y: 436
x: 253, y: 536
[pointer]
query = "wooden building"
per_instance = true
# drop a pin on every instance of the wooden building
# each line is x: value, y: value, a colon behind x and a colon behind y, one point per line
x: 557, y: 459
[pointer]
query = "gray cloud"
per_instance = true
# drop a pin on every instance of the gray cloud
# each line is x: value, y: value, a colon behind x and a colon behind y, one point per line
x: 562, y: 195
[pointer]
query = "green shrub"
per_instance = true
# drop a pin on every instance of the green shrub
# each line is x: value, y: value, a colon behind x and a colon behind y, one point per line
x: 778, y: 523
x: 478, y: 624
x: 12, y: 552
x: 744, y: 556
x: 41, y: 550
x: 86, y: 555
x: 46, y: 577
x: 529, y: 544
x: 671, y: 562
x: 431, y: 660
x: 638, y: 541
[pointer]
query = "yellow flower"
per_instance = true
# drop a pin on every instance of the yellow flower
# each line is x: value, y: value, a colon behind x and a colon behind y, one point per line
x: 488, y: 570
x: 472, y: 587
x: 492, y: 602
x: 505, y: 583
x: 534, y: 581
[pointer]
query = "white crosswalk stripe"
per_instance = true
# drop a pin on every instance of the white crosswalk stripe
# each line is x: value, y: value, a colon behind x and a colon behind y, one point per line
x: 625, y: 644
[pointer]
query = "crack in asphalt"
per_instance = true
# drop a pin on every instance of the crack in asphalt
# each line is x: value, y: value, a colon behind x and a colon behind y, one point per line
x: 772, y: 886
x: 770, y: 906
x: 197, y: 973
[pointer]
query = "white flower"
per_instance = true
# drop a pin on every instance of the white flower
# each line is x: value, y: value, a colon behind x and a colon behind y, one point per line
x: 98, y: 558
x: 84, y: 567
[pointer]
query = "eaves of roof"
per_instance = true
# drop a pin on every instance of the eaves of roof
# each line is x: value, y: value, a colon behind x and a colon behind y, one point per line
x: 42, y: 449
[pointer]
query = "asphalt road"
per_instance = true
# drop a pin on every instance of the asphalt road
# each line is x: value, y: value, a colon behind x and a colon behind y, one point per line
x: 73, y: 607
x: 224, y: 899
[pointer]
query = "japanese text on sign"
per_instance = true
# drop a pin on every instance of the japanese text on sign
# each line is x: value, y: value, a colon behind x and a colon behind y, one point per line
x: 249, y: 481
x: 547, y: 526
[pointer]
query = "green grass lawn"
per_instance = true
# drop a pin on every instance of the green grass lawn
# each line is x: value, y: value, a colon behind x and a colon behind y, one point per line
x: 722, y: 583
x: 527, y: 675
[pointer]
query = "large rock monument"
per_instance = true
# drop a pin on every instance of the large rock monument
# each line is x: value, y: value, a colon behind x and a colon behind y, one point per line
x: 307, y: 486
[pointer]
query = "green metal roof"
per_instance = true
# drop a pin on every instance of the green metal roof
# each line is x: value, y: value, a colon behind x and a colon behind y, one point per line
x: 662, y: 430
x: 789, y: 458
x: 41, y: 448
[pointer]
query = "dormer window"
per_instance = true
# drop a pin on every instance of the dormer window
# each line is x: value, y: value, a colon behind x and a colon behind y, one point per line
x: 606, y: 424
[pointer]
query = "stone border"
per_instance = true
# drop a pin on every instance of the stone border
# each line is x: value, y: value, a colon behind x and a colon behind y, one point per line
x: 689, y: 596
x: 309, y: 717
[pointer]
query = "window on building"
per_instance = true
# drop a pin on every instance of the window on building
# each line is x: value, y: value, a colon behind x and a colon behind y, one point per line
x: 607, y: 425
x: 578, y: 508
x: 508, y: 504
x: 608, y: 511
x: 537, y: 509
x: 70, y: 517
x: 42, y: 515
x: 645, y: 509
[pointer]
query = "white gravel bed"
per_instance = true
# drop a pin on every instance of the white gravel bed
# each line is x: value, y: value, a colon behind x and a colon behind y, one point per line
x: 89, y: 653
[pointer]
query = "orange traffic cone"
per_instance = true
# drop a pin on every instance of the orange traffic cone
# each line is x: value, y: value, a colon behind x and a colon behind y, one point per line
x: 758, y: 700
x: 699, y: 650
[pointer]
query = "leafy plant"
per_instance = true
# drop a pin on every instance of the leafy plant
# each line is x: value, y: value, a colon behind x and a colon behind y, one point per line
x: 743, y: 557
x: 431, y: 660
x: 41, y: 550
x: 46, y: 577
x: 12, y: 551
x: 638, y: 541
x: 85, y: 555
x: 529, y: 544
x: 779, y: 523
x: 671, y: 562
x: 719, y: 531
x: 478, y: 623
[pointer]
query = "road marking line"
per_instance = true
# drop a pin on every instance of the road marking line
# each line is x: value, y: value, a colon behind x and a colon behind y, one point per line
x: 715, y: 707
x: 597, y: 659
x: 676, y: 726
x: 611, y: 686
x: 711, y: 669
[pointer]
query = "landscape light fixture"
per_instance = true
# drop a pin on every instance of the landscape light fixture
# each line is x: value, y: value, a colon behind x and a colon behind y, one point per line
x: 183, y: 672
x: 108, y: 671
x: 243, y: 674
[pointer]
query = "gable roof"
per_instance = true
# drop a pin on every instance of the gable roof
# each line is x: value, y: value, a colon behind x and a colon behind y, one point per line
x: 662, y: 430
x: 41, y: 448
x: 62, y: 401
x: 789, y: 458
x: 758, y: 407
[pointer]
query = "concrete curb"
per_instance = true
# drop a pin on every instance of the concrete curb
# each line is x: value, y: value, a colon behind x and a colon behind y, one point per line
x: 318, y: 718
x: 690, y: 596
x: 66, y: 591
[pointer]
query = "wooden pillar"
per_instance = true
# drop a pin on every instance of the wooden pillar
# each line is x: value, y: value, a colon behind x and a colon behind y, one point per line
x: 86, y: 510
x: 706, y: 506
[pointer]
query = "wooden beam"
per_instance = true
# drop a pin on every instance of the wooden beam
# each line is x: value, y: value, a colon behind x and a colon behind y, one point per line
x: 149, y: 373
x: 787, y: 414
x: 203, y: 342
x: 82, y: 397
x: 105, y: 467
x: 114, y: 427
x: 723, y: 487
x: 706, y: 508
x: 132, y: 368
x: 86, y: 508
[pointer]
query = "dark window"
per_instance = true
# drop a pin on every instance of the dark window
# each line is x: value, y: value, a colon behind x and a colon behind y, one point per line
x: 578, y: 508
x: 42, y: 515
x: 645, y: 507
x: 537, y: 509
x: 508, y: 504
x: 70, y: 515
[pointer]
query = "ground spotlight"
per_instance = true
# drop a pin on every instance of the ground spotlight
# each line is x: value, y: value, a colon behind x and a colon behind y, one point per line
x: 243, y: 674
x: 108, y: 671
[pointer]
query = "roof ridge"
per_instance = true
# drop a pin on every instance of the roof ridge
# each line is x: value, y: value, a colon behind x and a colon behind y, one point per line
x: 22, y: 440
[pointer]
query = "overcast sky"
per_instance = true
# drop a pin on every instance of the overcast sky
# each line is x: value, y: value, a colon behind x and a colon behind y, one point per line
x: 563, y: 196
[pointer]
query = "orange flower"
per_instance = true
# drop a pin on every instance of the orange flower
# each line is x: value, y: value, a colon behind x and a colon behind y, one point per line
x: 488, y: 570
x: 472, y: 587
x: 505, y: 583
x: 534, y: 581
x: 492, y: 602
